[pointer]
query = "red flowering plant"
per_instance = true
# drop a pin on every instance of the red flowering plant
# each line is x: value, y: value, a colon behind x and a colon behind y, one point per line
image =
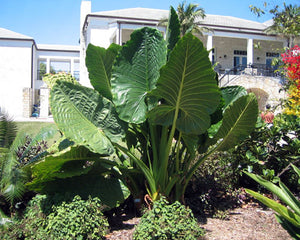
x: 291, y: 59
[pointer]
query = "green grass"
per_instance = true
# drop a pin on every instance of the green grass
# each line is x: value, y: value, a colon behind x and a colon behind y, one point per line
x: 33, y: 128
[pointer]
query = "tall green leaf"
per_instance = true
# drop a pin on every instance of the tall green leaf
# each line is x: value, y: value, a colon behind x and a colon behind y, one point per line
x: 99, y: 63
x: 67, y: 163
x: 282, y: 192
x: 232, y: 93
x: 187, y: 88
x: 85, y: 117
x: 136, y: 72
x: 173, y: 31
x: 280, y: 209
x: 238, y: 121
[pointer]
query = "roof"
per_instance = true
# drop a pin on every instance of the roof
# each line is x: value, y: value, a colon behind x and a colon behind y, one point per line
x: 48, y: 47
x: 228, y: 21
x: 7, y: 34
x: 158, y: 14
x: 141, y: 13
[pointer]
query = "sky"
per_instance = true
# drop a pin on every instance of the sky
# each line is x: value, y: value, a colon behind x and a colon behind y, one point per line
x: 57, y: 21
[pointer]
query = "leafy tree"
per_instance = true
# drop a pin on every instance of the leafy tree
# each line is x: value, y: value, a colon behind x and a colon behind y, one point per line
x: 151, y: 111
x: 286, y: 22
x: 189, y: 17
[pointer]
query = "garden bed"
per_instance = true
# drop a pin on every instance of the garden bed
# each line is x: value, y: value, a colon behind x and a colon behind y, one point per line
x: 244, y: 223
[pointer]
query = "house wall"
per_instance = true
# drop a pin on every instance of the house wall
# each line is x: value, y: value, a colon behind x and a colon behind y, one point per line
x: 224, y: 50
x: 15, y: 75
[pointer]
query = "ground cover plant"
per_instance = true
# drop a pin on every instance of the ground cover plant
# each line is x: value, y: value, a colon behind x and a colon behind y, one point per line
x: 168, y: 221
x: 76, y: 219
x: 155, y: 104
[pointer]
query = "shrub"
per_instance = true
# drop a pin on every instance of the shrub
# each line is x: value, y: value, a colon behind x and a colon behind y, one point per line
x: 215, y: 186
x: 166, y: 221
x: 78, y: 219
x: 31, y: 226
x: 270, y: 149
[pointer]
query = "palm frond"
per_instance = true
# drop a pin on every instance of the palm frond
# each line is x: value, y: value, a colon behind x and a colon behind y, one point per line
x: 8, y: 130
x: 13, y: 176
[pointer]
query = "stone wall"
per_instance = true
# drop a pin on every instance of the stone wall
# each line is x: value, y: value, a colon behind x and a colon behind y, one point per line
x: 266, y: 89
x: 27, y: 102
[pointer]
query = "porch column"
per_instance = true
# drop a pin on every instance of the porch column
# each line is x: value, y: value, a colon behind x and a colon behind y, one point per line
x: 119, y: 33
x: 72, y: 67
x: 48, y: 65
x: 249, y: 51
x: 209, y: 46
x: 44, y: 102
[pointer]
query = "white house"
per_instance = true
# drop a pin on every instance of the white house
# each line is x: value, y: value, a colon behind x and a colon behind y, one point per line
x: 21, y: 60
x: 241, y: 48
x: 235, y: 42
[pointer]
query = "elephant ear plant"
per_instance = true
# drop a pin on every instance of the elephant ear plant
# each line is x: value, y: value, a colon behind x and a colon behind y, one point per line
x: 153, y: 109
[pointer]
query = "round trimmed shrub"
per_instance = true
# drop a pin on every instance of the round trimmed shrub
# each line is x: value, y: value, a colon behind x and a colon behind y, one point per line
x: 168, y: 221
x: 79, y: 219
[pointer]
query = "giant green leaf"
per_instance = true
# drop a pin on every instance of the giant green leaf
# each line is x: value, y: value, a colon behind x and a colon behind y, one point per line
x: 187, y: 88
x: 173, y: 30
x: 232, y: 93
x: 238, y: 121
x: 70, y: 162
x: 136, y: 72
x: 99, y: 63
x: 85, y: 117
x: 111, y: 191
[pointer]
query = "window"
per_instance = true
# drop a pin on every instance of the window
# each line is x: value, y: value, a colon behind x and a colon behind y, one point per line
x: 272, y: 54
x: 41, y: 71
x: 239, y: 52
x: 60, y: 66
x: 76, y: 70
x: 239, y: 60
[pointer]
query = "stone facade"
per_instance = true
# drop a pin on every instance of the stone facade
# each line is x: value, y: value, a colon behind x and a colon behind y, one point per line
x: 27, y: 102
x: 268, y: 90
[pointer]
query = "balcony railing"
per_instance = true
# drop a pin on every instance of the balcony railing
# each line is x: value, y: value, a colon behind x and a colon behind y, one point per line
x: 253, y: 69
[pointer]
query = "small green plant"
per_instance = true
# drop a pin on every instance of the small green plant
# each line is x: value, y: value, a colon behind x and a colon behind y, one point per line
x: 270, y: 149
x: 168, y: 222
x: 78, y: 219
x: 288, y: 217
x: 31, y: 226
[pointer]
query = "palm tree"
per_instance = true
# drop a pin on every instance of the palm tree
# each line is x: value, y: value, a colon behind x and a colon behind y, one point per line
x: 189, y: 17
x: 286, y: 23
